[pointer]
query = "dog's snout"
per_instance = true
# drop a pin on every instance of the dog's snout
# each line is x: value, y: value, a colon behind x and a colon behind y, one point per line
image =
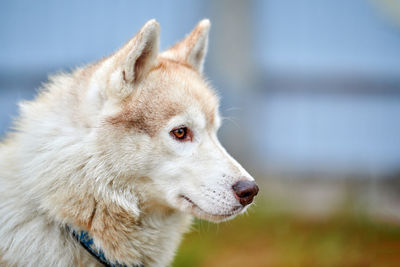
x: 245, y: 191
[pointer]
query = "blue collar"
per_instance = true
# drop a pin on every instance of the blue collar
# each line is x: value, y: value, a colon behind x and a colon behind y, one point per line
x: 87, y: 243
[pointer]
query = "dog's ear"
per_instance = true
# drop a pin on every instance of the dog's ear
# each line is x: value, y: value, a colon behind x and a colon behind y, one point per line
x: 121, y: 72
x: 193, y: 48
x: 140, y: 53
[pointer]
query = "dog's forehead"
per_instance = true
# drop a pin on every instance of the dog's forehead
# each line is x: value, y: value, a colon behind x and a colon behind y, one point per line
x: 179, y: 81
x: 170, y: 89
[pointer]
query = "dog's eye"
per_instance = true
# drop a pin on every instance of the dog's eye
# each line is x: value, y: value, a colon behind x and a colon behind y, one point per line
x: 181, y: 134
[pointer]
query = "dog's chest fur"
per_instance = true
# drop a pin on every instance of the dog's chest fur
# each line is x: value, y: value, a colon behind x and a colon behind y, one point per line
x: 151, y: 239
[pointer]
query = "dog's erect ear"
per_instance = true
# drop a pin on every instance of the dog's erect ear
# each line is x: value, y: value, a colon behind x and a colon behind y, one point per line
x: 130, y: 64
x: 140, y: 53
x: 117, y: 76
x: 193, y: 49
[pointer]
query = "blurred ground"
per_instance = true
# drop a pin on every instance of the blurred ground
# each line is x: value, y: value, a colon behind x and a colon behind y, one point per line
x: 274, y: 233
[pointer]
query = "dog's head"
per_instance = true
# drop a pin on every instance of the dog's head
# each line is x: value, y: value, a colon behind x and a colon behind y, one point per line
x: 158, y: 127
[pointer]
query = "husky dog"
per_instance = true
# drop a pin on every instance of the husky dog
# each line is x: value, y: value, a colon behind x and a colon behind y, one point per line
x: 109, y: 163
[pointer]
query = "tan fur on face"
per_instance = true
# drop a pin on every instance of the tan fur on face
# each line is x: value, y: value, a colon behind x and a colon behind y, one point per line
x: 169, y: 89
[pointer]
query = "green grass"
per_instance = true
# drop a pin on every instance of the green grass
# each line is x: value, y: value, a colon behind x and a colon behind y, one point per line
x: 266, y: 236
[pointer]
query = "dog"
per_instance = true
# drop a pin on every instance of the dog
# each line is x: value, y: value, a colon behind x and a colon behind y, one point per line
x: 109, y: 164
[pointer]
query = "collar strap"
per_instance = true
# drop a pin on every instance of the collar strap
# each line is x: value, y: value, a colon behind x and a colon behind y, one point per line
x: 87, y: 243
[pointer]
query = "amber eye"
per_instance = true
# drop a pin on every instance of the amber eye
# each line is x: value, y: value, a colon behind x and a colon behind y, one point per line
x: 181, y: 134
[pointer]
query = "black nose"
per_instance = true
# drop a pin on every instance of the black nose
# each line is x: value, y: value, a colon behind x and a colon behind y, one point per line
x: 245, y: 191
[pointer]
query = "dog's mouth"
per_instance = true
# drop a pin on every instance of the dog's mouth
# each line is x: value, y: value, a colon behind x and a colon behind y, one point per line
x: 201, y: 213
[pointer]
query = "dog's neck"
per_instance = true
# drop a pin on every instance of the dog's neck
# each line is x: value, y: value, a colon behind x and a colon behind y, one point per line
x: 149, y: 239
x: 87, y: 243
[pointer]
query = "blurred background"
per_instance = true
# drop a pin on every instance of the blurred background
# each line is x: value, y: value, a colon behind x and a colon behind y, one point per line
x: 311, y: 95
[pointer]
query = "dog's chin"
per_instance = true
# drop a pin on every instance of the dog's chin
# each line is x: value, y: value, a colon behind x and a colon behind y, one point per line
x: 200, y: 213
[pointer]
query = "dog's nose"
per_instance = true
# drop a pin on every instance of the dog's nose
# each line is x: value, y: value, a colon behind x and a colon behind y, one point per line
x: 245, y: 191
